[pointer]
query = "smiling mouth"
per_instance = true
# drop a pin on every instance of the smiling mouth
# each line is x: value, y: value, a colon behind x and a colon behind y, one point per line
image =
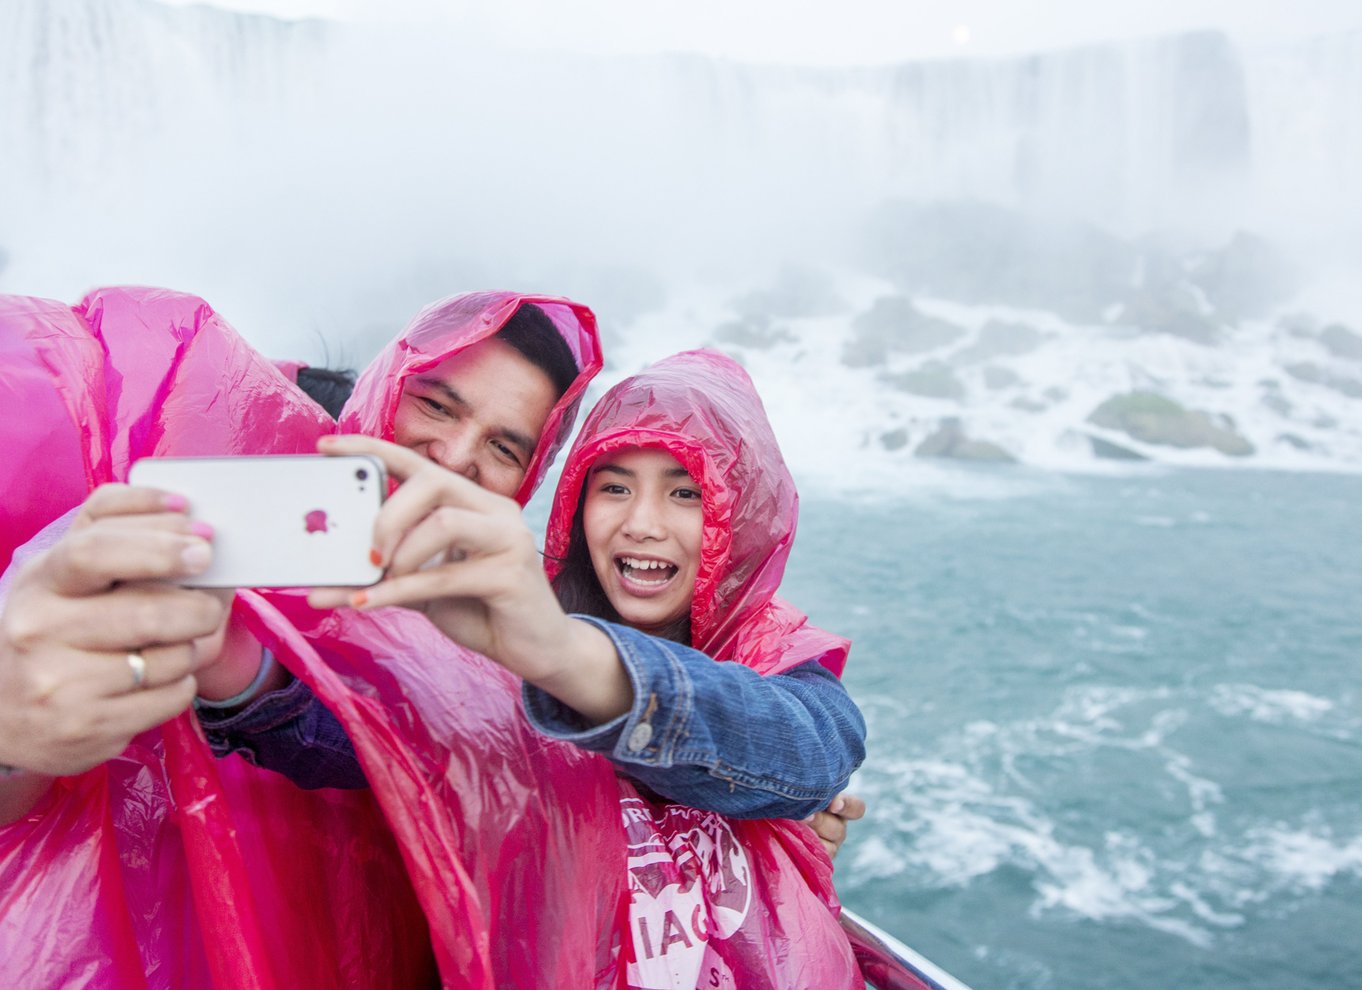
x: 645, y: 573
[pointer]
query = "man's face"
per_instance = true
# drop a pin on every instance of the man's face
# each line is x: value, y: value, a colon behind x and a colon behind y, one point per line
x: 478, y: 414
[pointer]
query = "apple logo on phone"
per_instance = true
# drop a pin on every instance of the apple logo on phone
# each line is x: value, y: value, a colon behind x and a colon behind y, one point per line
x: 315, y: 521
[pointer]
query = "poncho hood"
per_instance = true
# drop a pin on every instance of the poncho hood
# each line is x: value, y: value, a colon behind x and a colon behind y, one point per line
x: 451, y: 325
x: 702, y: 408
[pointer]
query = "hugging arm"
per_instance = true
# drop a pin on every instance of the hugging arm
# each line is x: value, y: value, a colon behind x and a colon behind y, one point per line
x: 290, y: 732
x: 720, y: 736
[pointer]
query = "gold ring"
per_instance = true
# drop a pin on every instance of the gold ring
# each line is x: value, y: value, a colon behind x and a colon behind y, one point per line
x: 138, y: 665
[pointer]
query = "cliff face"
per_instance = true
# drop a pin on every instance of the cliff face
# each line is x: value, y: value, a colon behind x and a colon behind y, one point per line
x: 1184, y: 132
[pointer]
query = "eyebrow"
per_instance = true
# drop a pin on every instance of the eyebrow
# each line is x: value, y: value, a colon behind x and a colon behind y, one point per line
x: 676, y: 472
x: 513, y: 436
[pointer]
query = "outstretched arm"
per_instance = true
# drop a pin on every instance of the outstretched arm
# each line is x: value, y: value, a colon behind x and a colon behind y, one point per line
x: 464, y: 557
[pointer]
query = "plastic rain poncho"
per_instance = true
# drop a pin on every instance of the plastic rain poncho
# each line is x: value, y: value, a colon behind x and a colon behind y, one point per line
x: 515, y: 850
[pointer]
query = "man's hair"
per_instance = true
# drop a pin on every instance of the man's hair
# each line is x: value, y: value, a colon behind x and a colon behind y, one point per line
x: 328, y: 387
x: 529, y: 331
x: 532, y: 333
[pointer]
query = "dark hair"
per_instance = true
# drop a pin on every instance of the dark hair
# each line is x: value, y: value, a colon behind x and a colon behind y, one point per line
x: 328, y: 387
x: 579, y: 591
x: 532, y: 333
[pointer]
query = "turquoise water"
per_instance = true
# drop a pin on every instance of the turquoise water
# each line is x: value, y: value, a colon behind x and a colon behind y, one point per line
x: 1116, y: 724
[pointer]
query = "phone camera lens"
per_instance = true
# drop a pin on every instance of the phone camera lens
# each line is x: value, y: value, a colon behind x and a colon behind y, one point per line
x: 362, y: 474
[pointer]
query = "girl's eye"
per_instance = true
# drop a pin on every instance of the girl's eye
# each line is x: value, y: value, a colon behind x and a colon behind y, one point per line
x: 687, y: 494
x: 612, y: 488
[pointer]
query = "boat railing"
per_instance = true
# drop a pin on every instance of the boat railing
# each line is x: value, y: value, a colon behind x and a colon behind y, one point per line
x: 888, y: 964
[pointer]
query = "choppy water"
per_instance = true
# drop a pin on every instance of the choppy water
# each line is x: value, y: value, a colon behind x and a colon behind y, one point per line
x: 1116, y: 725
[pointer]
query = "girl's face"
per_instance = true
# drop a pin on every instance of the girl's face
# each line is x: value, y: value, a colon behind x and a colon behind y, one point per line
x: 644, y: 528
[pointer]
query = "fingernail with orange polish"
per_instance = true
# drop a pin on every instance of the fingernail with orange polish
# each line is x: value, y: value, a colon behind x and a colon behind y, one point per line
x: 375, y: 557
x: 359, y: 599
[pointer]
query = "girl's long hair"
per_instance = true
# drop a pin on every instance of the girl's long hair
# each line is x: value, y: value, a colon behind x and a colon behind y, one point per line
x: 580, y: 591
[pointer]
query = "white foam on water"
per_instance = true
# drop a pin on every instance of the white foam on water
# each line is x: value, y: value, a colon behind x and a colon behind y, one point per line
x: 958, y: 829
x: 949, y: 821
x: 1302, y: 857
x: 1271, y: 706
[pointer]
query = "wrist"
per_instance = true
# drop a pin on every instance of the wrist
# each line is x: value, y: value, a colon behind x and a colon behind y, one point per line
x: 264, y: 677
x: 589, y: 676
x: 237, y: 666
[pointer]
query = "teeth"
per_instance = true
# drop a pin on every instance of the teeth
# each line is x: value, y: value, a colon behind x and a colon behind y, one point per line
x: 635, y: 569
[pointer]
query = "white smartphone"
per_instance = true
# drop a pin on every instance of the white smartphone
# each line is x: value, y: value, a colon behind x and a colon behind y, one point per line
x: 280, y: 521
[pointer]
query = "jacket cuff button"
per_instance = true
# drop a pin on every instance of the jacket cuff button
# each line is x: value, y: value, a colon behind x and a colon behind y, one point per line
x: 639, y: 737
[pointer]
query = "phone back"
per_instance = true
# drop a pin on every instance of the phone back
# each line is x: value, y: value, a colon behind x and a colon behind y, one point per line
x: 281, y: 521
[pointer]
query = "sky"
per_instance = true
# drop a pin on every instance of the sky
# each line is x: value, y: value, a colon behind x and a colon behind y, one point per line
x: 849, y: 32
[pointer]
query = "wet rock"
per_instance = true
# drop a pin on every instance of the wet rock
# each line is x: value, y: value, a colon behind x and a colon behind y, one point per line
x: 756, y: 331
x: 1173, y: 308
x: 949, y: 440
x: 996, y: 377
x: 1308, y: 372
x: 1155, y: 419
x: 1299, y: 324
x: 894, y: 325
x: 1341, y: 342
x: 933, y: 380
x: 894, y: 439
x: 998, y: 338
x: 1278, y: 403
x: 1245, y: 278
x: 1109, y: 451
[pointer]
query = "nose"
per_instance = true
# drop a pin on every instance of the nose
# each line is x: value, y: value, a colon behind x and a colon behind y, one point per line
x: 644, y: 521
x: 455, y: 453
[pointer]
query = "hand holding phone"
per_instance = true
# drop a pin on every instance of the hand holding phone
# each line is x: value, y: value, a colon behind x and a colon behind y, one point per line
x: 279, y: 521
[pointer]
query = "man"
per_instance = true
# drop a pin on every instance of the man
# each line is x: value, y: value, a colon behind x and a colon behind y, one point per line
x: 479, y: 412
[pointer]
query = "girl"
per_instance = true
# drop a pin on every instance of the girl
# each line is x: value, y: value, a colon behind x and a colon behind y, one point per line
x: 669, y: 534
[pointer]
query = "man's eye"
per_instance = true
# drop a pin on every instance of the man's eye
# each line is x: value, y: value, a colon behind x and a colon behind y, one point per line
x: 506, y: 452
x: 431, y: 405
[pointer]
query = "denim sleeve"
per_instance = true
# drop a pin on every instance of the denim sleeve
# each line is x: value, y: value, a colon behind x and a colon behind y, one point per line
x: 290, y: 732
x: 719, y: 736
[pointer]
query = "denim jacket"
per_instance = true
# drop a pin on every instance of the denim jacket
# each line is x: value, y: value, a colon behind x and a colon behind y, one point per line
x: 714, y: 736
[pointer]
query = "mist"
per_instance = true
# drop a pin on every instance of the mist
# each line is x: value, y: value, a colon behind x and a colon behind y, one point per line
x: 319, y: 181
